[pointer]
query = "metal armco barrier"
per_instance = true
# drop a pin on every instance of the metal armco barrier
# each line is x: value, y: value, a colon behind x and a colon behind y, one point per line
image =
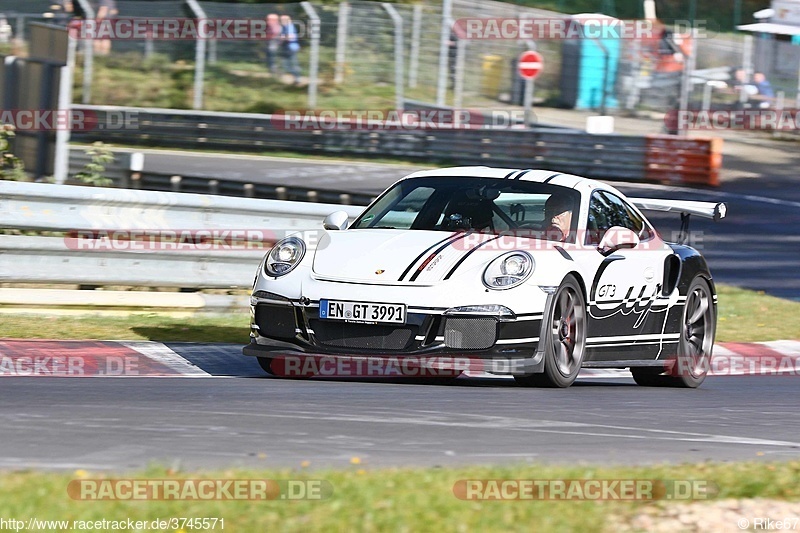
x: 122, y: 174
x: 66, y: 208
x: 619, y: 157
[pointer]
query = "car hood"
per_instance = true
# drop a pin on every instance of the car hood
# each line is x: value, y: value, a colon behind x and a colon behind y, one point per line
x: 386, y: 256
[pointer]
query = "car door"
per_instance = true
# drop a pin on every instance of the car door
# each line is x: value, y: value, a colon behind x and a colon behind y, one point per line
x: 623, y: 321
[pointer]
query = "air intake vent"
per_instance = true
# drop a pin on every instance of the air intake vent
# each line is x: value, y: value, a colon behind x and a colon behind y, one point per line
x: 362, y: 336
x: 468, y: 333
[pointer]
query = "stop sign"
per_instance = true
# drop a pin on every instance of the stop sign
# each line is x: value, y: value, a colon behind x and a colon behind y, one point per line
x: 530, y: 64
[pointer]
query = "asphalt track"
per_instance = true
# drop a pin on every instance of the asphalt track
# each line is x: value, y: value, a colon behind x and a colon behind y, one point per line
x: 226, y: 412
x: 122, y: 424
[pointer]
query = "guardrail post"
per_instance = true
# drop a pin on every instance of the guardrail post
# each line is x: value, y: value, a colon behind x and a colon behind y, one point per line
x: 747, y: 64
x: 398, y: 55
x: 280, y: 193
x: 341, y: 42
x: 413, y: 56
x: 313, y: 64
x: 312, y: 196
x: 61, y: 162
x: 344, y: 199
x: 212, y: 52
x: 135, y: 167
x: 458, y: 85
x: 88, y: 54
x: 686, y: 79
x: 213, y: 187
x: 199, y: 57
x: 444, y: 40
x: 175, y: 182
x: 249, y: 190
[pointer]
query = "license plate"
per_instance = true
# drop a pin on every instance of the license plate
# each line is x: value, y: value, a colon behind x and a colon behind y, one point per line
x: 362, y: 312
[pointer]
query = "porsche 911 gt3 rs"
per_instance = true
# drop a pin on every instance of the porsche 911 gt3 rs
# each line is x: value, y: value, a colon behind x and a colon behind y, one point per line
x: 533, y: 273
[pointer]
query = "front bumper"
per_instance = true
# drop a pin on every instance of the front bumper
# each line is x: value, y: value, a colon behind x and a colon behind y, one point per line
x: 282, y: 327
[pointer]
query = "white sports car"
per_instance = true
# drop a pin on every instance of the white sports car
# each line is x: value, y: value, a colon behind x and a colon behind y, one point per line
x: 529, y: 273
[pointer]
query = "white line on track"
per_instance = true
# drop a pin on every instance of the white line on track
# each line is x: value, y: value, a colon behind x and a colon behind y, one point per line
x: 161, y: 354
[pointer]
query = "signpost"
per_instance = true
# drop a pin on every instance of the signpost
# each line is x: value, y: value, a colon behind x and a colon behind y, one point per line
x: 529, y: 65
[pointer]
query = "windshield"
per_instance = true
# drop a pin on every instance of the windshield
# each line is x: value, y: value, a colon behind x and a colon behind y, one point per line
x: 471, y: 204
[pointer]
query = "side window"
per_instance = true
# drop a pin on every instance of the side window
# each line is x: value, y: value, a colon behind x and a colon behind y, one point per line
x: 607, y: 210
x: 631, y: 218
x: 599, y: 219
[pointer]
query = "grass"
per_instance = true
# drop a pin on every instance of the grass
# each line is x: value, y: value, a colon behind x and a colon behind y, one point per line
x: 128, y: 79
x: 138, y: 326
x: 406, y: 499
x: 744, y: 316
x: 752, y: 316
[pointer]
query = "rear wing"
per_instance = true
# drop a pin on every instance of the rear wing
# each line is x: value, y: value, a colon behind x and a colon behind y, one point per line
x: 715, y: 210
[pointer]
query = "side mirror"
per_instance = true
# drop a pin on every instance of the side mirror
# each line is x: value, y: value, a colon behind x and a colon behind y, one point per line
x: 617, y: 238
x: 336, y: 221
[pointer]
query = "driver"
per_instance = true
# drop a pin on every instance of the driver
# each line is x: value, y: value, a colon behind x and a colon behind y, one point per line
x: 558, y: 216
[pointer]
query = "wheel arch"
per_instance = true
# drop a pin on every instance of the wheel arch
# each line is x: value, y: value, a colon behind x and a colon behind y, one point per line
x: 581, y: 283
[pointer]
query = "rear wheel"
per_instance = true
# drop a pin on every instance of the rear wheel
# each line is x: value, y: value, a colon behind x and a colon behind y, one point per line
x: 698, y: 328
x: 565, y: 342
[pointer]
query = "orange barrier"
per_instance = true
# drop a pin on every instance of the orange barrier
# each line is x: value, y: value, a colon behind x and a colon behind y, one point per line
x: 673, y: 159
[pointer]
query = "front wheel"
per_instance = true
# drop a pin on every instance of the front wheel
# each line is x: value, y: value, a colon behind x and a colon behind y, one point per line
x: 565, y: 342
x: 266, y: 365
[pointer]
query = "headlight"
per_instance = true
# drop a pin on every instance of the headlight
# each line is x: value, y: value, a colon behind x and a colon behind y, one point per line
x: 284, y: 256
x: 508, y: 270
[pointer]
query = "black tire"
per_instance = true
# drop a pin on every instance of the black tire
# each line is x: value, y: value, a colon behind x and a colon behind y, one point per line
x: 266, y: 365
x: 565, y: 342
x: 278, y: 368
x: 698, y: 328
x: 650, y: 376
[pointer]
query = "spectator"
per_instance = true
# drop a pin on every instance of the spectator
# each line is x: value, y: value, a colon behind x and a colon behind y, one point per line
x: 763, y: 85
x: 105, y: 9
x: 290, y: 47
x: 755, y: 98
x: 273, y: 42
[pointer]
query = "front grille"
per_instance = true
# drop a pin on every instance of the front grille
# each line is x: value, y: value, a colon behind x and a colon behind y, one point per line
x: 470, y: 333
x: 276, y: 321
x: 362, y: 336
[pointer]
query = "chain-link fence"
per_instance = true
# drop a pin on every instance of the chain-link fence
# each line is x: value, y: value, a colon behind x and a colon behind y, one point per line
x: 357, y: 60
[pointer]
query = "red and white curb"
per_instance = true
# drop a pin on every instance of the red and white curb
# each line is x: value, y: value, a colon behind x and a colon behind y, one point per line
x: 33, y: 357
x: 53, y: 358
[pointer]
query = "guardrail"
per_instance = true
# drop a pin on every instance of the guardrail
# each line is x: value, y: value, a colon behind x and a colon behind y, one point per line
x: 80, y: 213
x: 126, y: 171
x: 618, y: 157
